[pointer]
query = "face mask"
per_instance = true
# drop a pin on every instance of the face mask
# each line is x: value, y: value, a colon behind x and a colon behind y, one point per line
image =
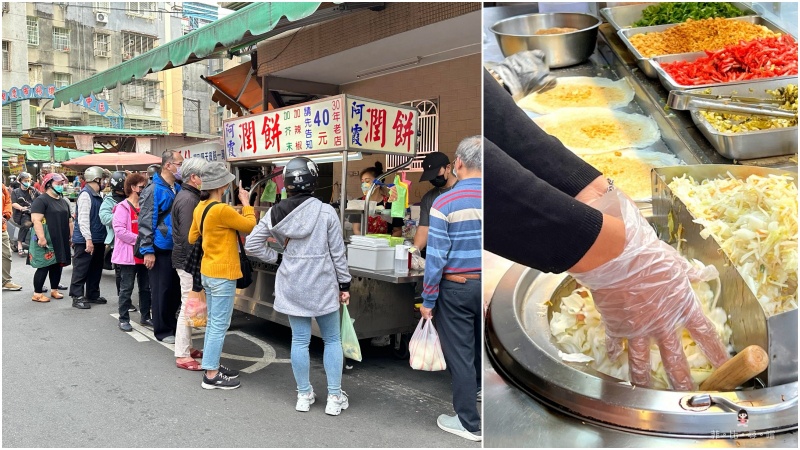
x: 439, y: 181
x: 177, y: 175
x: 454, y: 172
x: 26, y: 185
x: 59, y: 189
x: 365, y: 187
x: 227, y: 191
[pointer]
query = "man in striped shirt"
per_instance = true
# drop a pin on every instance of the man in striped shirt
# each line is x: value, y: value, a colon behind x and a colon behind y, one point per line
x: 452, y: 285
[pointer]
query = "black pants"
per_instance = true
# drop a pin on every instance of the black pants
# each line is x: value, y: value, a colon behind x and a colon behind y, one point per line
x: 24, y: 235
x: 458, y: 320
x: 118, y: 276
x: 166, y: 291
x: 127, y: 276
x: 86, y: 271
x: 41, y: 274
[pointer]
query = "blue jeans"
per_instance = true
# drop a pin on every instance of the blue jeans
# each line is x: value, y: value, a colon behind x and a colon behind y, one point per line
x: 329, y: 326
x: 219, y: 300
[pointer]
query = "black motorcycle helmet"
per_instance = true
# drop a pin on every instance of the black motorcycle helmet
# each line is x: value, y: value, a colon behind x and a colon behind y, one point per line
x: 117, y: 181
x: 152, y: 170
x: 300, y: 175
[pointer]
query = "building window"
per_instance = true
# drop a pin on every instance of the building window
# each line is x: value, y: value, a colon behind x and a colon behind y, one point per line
x: 134, y: 44
x: 7, y: 56
x: 59, y: 122
x: 62, y: 79
x: 35, y: 74
x: 142, y: 124
x: 12, y: 118
x: 142, y: 9
x: 144, y: 90
x: 61, y: 39
x: 33, y: 30
x: 428, y: 140
x: 102, y: 7
x: 101, y: 47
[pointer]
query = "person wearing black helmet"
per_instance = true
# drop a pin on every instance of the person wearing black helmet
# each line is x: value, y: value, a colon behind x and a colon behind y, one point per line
x: 439, y: 172
x: 117, y: 184
x: 151, y: 171
x: 307, y: 286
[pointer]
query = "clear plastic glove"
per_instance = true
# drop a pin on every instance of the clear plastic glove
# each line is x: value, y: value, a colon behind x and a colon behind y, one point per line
x: 524, y: 72
x: 417, y: 261
x: 645, y: 293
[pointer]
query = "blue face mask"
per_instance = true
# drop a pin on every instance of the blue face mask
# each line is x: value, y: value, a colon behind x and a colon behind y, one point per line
x: 26, y: 185
x: 227, y: 191
x: 59, y: 189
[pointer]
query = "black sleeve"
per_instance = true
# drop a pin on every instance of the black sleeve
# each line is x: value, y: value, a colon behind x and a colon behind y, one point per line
x: 505, y: 124
x: 531, y: 222
x: 39, y: 205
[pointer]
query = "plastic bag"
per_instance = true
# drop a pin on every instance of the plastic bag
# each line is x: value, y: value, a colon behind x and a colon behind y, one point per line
x: 425, y: 348
x: 399, y: 206
x: 196, y: 309
x: 350, y: 347
x: 270, y: 192
x: 417, y: 261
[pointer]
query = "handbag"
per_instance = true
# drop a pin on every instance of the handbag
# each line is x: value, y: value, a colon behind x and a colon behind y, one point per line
x: 195, y: 256
x: 39, y: 257
x: 247, y: 268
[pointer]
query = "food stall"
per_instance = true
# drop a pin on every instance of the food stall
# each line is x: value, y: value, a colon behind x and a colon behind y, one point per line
x: 334, y: 129
x: 546, y: 381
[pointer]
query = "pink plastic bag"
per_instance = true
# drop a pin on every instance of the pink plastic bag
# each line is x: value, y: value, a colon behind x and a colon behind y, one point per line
x: 425, y: 348
x: 196, y: 309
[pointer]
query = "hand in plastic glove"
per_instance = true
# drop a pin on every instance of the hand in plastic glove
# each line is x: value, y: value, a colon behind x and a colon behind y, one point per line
x: 524, y: 72
x: 646, y: 293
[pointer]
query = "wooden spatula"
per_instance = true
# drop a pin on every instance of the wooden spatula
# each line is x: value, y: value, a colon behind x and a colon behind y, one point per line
x: 745, y: 365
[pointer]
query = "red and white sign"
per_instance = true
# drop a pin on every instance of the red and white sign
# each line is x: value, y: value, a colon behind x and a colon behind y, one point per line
x: 339, y: 123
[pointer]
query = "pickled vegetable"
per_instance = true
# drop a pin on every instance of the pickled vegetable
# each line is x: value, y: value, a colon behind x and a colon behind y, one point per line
x: 736, y: 123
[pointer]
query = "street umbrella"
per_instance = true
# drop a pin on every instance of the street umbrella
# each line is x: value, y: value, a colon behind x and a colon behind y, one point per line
x: 116, y: 161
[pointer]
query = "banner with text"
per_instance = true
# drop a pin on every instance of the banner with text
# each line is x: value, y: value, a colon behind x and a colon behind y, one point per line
x: 211, y: 151
x: 377, y: 127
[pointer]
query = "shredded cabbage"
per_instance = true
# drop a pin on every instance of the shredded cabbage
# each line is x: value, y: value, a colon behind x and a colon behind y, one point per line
x: 578, y: 328
x: 755, y: 223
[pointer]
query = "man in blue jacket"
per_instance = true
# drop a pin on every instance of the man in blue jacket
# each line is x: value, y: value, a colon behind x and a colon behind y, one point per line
x: 155, y: 244
x: 88, y: 241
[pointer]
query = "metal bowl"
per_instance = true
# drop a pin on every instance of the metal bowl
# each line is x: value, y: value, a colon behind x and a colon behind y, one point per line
x: 516, y: 34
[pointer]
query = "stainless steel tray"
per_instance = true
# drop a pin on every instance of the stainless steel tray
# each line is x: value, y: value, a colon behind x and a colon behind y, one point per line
x: 621, y: 17
x: 752, y: 144
x: 646, y: 64
x: 747, y: 318
x: 670, y: 84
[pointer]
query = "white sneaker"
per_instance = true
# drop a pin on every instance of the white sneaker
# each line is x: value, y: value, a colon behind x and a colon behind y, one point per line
x: 304, y: 401
x: 336, y: 403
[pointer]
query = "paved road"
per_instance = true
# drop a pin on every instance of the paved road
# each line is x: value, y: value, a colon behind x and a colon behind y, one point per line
x: 71, y: 378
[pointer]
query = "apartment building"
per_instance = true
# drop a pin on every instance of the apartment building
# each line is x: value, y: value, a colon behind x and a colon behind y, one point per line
x: 62, y: 43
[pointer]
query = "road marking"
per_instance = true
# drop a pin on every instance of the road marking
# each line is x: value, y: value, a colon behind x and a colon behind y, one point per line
x: 144, y: 334
x: 138, y: 332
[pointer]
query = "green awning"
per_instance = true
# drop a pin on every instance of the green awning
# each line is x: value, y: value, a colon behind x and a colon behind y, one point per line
x: 108, y: 131
x: 253, y: 20
x: 12, y: 146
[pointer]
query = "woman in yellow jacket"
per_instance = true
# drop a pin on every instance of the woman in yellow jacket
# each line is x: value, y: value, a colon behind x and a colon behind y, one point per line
x: 220, y: 266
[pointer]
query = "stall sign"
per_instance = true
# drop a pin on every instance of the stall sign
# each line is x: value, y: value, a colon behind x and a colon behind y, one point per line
x: 40, y: 91
x: 211, y: 151
x: 303, y: 129
x: 377, y: 127
x: 16, y: 164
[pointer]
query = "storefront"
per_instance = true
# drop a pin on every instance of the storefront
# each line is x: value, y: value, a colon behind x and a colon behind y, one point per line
x: 533, y: 382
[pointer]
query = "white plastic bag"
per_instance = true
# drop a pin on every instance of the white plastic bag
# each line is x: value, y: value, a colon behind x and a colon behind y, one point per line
x: 425, y: 348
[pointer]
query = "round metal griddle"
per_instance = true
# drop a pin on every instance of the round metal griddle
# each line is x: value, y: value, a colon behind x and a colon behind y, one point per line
x: 520, y: 345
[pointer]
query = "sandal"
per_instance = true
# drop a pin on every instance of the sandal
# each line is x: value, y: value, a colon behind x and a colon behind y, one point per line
x: 189, y: 365
x: 40, y: 297
x: 195, y: 353
x: 21, y: 253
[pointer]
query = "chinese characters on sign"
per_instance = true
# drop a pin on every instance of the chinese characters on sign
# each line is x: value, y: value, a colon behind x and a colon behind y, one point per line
x: 380, y: 128
x: 211, y: 151
x: 40, y: 91
x: 306, y: 128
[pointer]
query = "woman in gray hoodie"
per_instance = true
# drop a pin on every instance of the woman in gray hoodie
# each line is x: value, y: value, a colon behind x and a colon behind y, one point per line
x: 312, y: 280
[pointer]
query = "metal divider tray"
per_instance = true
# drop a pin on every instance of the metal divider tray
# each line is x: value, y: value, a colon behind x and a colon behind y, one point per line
x: 750, y: 144
x: 621, y: 17
x: 747, y: 319
x: 670, y: 84
x: 646, y: 63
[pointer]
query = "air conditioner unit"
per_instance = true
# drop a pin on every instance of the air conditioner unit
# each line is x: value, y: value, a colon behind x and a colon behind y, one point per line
x: 102, y: 17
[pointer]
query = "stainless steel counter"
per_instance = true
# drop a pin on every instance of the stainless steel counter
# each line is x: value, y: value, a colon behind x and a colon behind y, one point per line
x: 390, y: 276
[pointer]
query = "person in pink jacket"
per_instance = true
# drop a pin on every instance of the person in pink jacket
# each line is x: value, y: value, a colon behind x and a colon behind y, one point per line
x: 126, y: 228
